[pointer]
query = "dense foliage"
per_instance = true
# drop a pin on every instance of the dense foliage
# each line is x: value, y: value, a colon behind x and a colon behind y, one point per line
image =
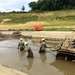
x: 49, y: 5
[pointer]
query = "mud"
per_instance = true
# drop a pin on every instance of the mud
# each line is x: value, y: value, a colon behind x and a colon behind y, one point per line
x: 41, y: 64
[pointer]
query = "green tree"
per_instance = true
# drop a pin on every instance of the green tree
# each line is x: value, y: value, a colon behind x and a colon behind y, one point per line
x: 48, y: 5
x: 23, y: 8
x: 33, y: 5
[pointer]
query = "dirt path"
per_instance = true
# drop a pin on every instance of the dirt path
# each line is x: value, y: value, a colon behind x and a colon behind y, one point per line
x: 5, y: 20
x: 30, y: 25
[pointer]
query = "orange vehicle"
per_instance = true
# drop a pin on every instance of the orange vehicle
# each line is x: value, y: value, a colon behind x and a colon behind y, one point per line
x: 37, y: 27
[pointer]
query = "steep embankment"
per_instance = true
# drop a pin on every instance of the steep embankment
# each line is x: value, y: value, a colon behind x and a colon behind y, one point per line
x: 63, y: 20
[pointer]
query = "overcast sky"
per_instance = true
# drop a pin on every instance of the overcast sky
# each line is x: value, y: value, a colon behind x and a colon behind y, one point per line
x: 11, y: 5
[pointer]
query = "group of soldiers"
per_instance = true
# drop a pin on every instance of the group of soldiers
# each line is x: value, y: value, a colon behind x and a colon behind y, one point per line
x: 24, y: 47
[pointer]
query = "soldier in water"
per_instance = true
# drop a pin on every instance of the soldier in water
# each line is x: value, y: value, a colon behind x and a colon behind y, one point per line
x: 43, y: 46
x: 21, y: 45
x: 28, y: 49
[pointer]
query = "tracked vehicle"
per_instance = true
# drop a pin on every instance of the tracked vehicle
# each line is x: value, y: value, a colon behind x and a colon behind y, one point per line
x: 67, y: 50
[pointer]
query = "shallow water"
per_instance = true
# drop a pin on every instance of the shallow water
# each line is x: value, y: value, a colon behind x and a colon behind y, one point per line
x: 41, y: 64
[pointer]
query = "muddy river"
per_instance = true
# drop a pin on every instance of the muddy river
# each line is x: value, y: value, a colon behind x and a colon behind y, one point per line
x: 41, y: 64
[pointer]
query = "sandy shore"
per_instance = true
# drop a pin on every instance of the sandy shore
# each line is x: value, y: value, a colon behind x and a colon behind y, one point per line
x: 8, y: 71
x: 51, y: 34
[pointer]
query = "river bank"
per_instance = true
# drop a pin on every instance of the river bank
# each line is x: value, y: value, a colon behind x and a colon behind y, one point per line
x: 46, y: 34
x: 9, y: 71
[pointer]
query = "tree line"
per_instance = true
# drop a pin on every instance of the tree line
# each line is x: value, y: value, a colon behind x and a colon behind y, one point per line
x: 50, y: 5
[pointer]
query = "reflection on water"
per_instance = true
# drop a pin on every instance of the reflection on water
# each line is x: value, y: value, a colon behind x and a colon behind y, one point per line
x: 22, y: 55
x: 43, y: 57
x: 30, y: 63
x: 67, y: 67
x: 41, y: 64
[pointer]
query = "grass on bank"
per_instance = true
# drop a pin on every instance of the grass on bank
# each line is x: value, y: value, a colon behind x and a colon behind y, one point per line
x: 58, y: 28
x: 63, y: 20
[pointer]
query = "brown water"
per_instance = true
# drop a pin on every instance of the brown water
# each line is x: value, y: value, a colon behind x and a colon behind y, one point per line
x: 41, y: 64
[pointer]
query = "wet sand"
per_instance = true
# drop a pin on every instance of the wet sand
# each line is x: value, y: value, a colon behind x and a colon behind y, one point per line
x: 41, y: 64
x: 51, y: 34
x: 9, y: 71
